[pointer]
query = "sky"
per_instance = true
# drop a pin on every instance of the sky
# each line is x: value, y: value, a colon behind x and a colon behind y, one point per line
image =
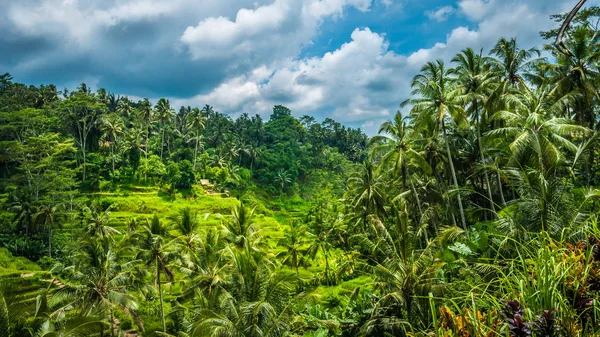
x: 351, y: 60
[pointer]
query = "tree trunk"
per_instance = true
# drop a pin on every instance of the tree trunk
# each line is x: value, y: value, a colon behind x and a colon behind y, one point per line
x: 455, y: 181
x: 84, y: 161
x: 112, y: 156
x: 162, y: 139
x: 500, y: 189
x: 50, y: 240
x: 487, y: 177
x: 196, y: 151
x: 160, y: 296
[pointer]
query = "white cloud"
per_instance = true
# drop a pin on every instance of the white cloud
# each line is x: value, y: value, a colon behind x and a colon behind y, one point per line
x: 475, y: 9
x: 441, y: 14
x: 354, y: 81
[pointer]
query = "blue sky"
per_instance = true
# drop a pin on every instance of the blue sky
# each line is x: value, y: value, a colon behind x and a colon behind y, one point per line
x: 351, y: 60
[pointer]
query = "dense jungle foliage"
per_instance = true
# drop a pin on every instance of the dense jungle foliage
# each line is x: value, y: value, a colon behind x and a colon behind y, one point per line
x: 474, y: 212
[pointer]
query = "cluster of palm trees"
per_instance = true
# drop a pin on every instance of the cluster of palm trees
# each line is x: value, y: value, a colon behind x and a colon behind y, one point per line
x: 500, y: 132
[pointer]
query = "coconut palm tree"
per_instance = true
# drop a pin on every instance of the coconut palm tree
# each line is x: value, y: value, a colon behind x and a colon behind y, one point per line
x: 366, y: 193
x: 438, y: 102
x: 146, y: 115
x: 112, y: 126
x: 152, y: 249
x: 124, y: 108
x: 295, y: 245
x: 404, y: 275
x: 188, y: 240
x: 98, y: 282
x: 509, y: 64
x: 282, y: 178
x: 47, y: 214
x: 257, y: 304
x: 475, y: 83
x: 197, y: 122
x: 395, y: 144
x: 240, y: 229
x: 98, y: 222
x: 164, y: 114
x: 537, y: 139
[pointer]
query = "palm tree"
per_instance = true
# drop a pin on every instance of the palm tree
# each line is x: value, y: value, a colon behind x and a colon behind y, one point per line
x: 282, y: 178
x: 187, y: 225
x: 474, y: 84
x: 98, y: 222
x: 321, y: 246
x: 152, y: 250
x: 240, y: 230
x: 366, y: 192
x: 253, y: 152
x: 164, y: 114
x: 509, y: 64
x: 437, y: 102
x: 146, y: 115
x: 395, y: 145
x: 112, y: 126
x: 294, y: 243
x: 197, y: 123
x: 98, y: 282
x: 578, y: 71
x: 538, y: 139
x: 404, y: 275
x: 257, y: 305
x: 124, y: 108
x: 48, y: 213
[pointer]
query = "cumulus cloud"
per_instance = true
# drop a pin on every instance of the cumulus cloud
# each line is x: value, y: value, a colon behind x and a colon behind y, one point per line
x: 352, y: 82
x: 441, y: 14
x: 247, y: 55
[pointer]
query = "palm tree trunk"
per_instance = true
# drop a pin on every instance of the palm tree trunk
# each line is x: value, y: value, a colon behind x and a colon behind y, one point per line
x: 196, y: 151
x: 162, y: 139
x: 487, y: 177
x: 50, y: 240
x: 160, y: 296
x: 500, y: 189
x: 326, y: 266
x: 112, y: 323
x: 112, y: 157
x: 147, y: 141
x: 455, y: 181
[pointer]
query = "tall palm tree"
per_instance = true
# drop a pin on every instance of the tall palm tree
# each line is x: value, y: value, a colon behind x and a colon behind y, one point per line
x: 112, y: 126
x: 509, y: 63
x: 366, y: 192
x: 197, y: 123
x: 124, y: 108
x: 164, y: 114
x: 146, y: 115
x: 98, y: 222
x: 152, y: 250
x: 475, y: 85
x: 437, y: 102
x: 538, y: 140
x: 48, y: 214
x: 321, y: 246
x: 187, y: 225
x: 395, y: 144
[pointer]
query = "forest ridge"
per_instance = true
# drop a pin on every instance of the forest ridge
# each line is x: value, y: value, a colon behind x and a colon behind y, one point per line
x: 473, y: 212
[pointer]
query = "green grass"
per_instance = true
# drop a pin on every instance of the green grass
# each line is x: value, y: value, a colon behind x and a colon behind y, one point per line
x: 16, y: 265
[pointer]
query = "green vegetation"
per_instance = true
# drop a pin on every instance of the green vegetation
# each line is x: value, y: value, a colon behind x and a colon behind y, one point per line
x: 474, y: 213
